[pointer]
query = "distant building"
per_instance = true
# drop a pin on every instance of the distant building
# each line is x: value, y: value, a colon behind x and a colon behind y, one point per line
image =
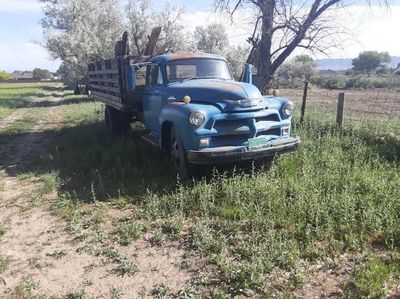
x: 27, y: 76
x: 21, y: 76
x: 56, y: 77
x: 327, y: 73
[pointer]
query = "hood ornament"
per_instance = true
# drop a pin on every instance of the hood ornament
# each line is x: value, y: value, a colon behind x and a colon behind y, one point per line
x: 245, y: 102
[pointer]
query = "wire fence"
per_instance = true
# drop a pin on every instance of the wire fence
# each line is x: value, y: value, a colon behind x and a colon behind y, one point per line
x: 358, y: 104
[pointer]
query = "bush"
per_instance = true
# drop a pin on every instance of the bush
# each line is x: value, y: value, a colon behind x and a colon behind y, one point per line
x: 356, y: 82
x: 364, y: 82
x: 330, y: 82
x: 281, y: 82
x: 4, y: 76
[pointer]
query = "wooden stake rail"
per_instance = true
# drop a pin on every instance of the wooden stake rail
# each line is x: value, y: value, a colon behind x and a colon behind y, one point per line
x: 104, y: 79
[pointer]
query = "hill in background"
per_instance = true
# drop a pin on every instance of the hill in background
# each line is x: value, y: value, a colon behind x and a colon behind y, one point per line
x: 345, y: 63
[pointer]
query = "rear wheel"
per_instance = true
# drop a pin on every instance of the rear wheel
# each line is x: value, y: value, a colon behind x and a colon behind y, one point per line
x: 124, y: 122
x: 117, y: 122
x: 179, y: 157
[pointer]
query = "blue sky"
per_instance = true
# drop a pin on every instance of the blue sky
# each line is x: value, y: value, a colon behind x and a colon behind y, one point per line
x: 20, y: 31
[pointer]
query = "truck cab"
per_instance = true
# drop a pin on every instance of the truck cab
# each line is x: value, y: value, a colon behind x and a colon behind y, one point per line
x: 193, y: 108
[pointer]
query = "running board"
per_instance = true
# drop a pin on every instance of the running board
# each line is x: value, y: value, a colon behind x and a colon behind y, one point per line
x: 153, y: 140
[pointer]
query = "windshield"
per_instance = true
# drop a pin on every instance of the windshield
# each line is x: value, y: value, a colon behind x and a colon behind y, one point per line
x: 197, y: 68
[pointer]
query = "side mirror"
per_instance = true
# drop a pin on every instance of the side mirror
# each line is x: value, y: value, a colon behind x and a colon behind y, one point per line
x: 131, y: 74
x: 248, y: 73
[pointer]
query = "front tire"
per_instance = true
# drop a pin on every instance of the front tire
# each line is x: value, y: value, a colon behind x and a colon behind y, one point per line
x: 178, y: 155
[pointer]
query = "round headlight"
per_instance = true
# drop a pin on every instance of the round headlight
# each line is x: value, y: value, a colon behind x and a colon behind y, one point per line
x: 197, y: 118
x: 288, y: 109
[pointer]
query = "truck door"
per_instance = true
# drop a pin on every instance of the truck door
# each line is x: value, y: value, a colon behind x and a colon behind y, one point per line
x: 152, y: 97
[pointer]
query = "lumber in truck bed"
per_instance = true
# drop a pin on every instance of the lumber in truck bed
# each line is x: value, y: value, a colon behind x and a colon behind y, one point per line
x: 108, y: 78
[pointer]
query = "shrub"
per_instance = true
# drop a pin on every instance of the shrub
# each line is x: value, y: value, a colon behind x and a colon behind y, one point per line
x: 357, y: 82
x: 330, y: 82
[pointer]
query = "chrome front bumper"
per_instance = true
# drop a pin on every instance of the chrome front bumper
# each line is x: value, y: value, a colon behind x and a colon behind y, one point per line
x: 226, y: 154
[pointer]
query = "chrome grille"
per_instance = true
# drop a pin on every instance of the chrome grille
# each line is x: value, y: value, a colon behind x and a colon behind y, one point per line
x: 270, y: 117
x: 231, y: 125
x: 275, y: 131
x: 235, y: 132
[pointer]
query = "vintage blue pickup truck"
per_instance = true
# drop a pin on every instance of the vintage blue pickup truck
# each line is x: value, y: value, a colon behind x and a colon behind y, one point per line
x: 193, y: 108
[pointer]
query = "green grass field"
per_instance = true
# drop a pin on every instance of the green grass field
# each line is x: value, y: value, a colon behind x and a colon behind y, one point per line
x: 19, y: 95
x: 252, y: 229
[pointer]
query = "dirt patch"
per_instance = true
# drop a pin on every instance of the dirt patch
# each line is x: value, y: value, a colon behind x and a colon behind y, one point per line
x: 42, y: 251
x: 327, y: 282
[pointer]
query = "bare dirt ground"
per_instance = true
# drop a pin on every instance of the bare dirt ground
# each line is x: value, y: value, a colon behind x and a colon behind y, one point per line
x: 42, y: 254
x: 357, y: 102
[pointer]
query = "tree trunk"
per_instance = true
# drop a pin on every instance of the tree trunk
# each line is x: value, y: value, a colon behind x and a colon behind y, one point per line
x: 263, y: 55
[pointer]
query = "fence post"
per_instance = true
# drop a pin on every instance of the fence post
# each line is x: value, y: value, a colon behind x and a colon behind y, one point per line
x: 303, y: 104
x: 340, y: 109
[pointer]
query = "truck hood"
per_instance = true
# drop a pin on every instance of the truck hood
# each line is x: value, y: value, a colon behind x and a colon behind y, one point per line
x: 228, y: 95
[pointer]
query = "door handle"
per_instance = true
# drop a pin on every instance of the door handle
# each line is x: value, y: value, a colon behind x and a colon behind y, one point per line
x: 171, y: 99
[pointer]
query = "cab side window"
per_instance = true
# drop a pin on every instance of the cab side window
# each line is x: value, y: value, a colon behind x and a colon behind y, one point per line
x: 154, y: 75
x: 141, y: 76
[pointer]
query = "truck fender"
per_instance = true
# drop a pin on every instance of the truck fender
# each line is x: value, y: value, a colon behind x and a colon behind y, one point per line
x: 177, y: 114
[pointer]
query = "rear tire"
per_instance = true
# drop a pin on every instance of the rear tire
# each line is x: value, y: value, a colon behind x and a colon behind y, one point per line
x: 124, y: 123
x: 117, y: 122
x: 179, y: 156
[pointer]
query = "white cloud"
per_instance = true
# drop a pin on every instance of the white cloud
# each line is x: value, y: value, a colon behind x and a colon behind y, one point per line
x: 374, y: 29
x: 20, y: 5
x: 25, y: 56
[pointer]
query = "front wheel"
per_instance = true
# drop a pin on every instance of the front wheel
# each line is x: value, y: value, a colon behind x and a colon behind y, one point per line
x: 179, y: 157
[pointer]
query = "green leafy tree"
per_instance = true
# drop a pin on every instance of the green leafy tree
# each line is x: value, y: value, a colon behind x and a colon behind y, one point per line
x: 304, y: 59
x: 301, y: 66
x: 369, y: 61
x: 80, y: 31
x: 4, y: 76
x: 212, y: 38
x: 40, y: 74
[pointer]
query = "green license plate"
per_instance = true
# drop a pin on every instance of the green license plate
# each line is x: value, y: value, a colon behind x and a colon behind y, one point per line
x: 258, y: 142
